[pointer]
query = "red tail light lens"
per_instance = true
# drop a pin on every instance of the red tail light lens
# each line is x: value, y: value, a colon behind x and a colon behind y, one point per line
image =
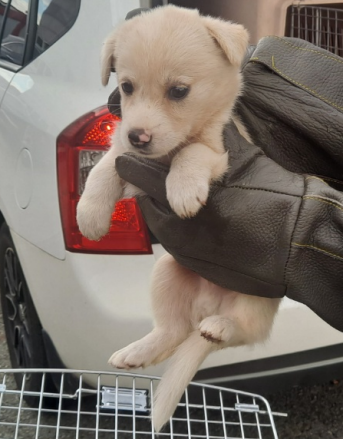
x: 79, y: 147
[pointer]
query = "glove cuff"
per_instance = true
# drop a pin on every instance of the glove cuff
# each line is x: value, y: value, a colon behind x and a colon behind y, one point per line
x: 232, y: 280
x: 314, y: 271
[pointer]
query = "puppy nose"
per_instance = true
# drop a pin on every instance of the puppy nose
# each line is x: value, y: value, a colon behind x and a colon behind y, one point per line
x: 139, y: 137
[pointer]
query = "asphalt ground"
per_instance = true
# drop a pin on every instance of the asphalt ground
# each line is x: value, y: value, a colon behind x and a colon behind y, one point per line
x: 314, y: 412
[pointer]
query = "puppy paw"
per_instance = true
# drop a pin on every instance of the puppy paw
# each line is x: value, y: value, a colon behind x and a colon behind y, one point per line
x: 132, y: 357
x: 186, y: 196
x: 93, y: 221
x: 216, y: 329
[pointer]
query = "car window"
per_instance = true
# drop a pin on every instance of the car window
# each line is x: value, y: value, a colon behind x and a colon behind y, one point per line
x: 13, y: 29
x: 3, y: 5
x: 49, y: 21
x: 54, y: 19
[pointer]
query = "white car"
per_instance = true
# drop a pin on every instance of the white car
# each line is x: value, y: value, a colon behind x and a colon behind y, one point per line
x: 67, y: 301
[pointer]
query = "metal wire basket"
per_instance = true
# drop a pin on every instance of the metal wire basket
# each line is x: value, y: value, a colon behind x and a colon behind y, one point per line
x: 103, y: 405
x: 322, y: 26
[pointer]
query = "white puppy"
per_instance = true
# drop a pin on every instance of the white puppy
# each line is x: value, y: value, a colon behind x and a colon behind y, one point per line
x: 179, y: 77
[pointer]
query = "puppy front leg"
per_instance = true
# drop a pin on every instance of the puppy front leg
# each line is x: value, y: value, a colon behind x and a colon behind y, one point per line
x: 190, y: 176
x: 103, y: 189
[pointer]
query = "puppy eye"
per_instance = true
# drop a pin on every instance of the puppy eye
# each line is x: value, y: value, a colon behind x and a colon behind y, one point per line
x: 177, y: 93
x: 127, y: 88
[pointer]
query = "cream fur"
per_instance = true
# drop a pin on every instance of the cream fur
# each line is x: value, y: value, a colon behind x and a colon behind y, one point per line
x: 154, y: 51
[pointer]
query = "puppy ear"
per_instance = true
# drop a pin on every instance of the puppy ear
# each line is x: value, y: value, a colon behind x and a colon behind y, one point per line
x: 232, y: 38
x: 107, y: 58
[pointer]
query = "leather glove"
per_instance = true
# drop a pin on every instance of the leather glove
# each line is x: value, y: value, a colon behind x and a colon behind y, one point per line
x: 265, y: 231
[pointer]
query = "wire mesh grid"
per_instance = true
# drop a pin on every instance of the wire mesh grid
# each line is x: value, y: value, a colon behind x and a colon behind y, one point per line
x: 84, y: 407
x: 322, y: 26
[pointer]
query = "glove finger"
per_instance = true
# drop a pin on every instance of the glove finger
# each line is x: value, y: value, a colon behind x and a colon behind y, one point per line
x: 148, y: 175
x: 163, y: 223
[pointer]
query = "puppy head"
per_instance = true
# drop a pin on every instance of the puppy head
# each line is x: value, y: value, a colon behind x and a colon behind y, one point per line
x: 177, y: 72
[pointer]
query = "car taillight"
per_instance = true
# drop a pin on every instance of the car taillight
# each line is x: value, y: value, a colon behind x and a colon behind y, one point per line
x: 79, y: 147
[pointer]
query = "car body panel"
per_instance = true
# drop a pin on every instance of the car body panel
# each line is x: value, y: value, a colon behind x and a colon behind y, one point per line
x: 41, y: 100
x: 91, y: 306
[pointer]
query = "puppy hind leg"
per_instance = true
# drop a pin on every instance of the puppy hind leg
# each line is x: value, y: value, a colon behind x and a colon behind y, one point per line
x: 172, y: 289
x: 144, y: 352
x: 217, y: 329
x: 254, y: 317
x: 250, y: 318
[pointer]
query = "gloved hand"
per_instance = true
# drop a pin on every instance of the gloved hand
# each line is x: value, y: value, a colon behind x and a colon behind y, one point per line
x: 265, y: 231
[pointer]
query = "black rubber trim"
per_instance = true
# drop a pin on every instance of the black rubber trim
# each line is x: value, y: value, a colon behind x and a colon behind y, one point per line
x: 52, y: 355
x: 135, y: 12
x: 265, y: 384
x: 54, y: 362
x: 156, y: 3
x: 31, y: 31
x: 278, y: 362
x: 282, y: 380
x: 11, y: 67
x: 4, y: 20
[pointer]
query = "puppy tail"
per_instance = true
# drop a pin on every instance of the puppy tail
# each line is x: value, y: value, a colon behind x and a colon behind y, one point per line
x: 181, y: 369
